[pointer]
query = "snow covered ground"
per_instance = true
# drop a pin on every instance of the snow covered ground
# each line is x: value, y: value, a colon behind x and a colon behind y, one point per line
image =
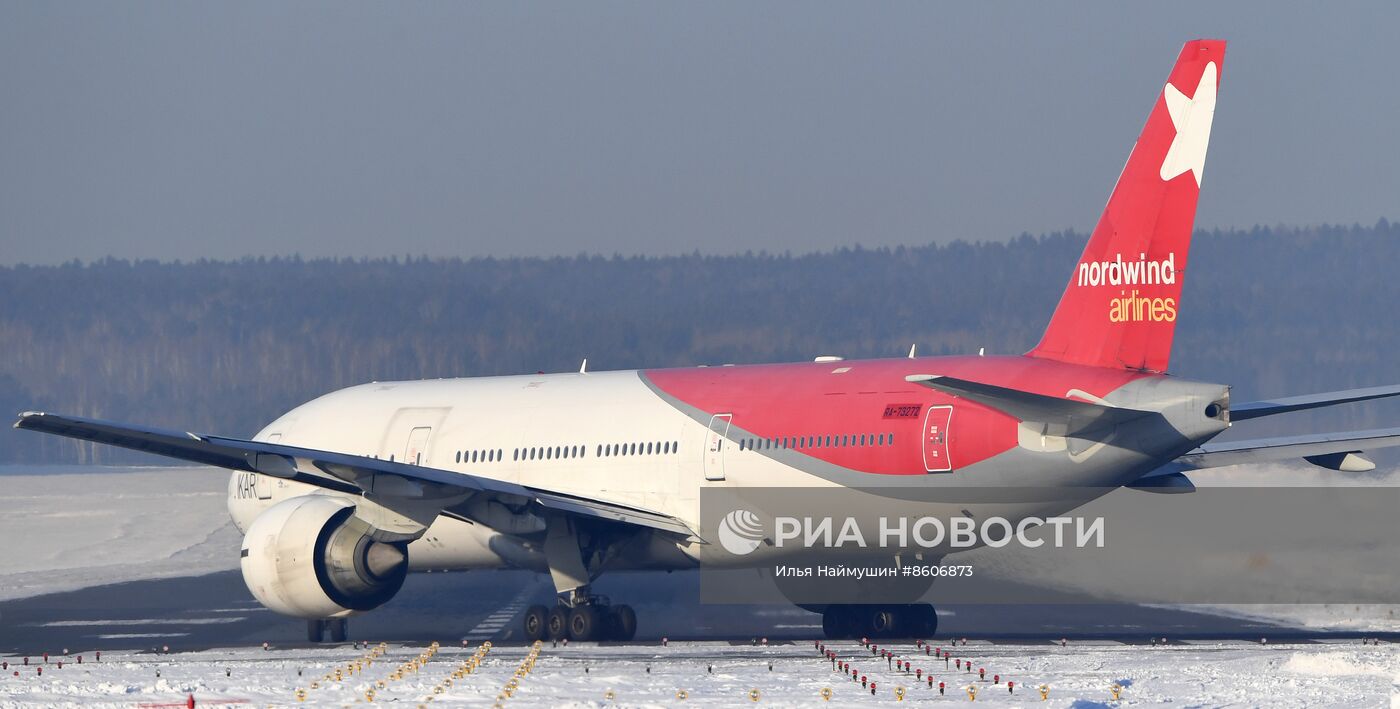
x: 69, y: 528
x: 720, y: 674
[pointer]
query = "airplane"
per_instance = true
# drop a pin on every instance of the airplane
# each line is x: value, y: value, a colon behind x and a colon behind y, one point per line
x: 578, y: 474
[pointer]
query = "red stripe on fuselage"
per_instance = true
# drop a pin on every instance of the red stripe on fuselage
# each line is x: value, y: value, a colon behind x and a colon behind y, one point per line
x: 819, y: 399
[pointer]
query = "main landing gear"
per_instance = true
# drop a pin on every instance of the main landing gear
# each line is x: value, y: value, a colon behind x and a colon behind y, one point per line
x: 879, y: 621
x: 317, y: 630
x: 574, y: 563
x: 588, y: 618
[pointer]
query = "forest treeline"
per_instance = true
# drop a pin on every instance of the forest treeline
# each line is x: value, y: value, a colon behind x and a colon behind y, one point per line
x: 227, y: 346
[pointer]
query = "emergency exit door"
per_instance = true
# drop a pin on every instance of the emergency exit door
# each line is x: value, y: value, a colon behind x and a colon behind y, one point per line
x: 417, y: 443
x: 936, y: 439
x: 714, y: 446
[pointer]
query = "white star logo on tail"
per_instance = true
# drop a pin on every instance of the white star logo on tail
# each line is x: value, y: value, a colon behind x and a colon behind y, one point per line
x: 1191, y: 117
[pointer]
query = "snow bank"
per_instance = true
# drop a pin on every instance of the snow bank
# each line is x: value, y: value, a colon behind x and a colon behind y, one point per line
x: 1330, y: 664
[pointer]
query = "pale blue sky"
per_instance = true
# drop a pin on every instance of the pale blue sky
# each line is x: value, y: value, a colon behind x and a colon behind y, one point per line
x: 186, y: 130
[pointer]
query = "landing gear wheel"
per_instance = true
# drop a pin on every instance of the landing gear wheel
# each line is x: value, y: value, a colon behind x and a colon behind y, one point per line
x: 557, y: 623
x: 338, y: 629
x: 624, y: 623
x: 838, y: 622
x: 922, y: 621
x: 881, y: 621
x: 585, y: 623
x: 536, y: 623
x: 315, y: 630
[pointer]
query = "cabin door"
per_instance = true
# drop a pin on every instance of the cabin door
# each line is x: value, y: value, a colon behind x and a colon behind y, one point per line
x: 936, y: 439
x: 417, y: 443
x: 714, y: 446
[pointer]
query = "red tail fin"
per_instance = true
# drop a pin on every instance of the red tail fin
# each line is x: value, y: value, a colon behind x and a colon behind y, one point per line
x: 1121, y: 305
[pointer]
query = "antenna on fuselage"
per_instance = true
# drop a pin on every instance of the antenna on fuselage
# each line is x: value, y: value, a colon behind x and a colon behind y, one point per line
x: 912, y: 348
x: 583, y: 368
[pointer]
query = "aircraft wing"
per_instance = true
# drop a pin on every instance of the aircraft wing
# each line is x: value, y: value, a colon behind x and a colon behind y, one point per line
x: 1318, y: 448
x: 1067, y: 416
x: 352, y: 474
x: 1257, y: 409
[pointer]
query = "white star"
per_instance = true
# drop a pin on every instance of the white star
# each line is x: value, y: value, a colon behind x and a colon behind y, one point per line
x: 1191, y: 117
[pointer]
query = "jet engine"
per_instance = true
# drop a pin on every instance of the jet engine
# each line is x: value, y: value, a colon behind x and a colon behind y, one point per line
x: 311, y: 557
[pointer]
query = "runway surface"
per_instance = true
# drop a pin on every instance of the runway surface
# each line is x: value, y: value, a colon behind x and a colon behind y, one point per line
x: 216, y: 610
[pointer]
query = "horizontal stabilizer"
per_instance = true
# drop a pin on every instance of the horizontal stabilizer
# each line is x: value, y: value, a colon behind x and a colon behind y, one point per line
x: 352, y: 474
x: 1065, y: 417
x: 1258, y: 409
x: 1321, y: 446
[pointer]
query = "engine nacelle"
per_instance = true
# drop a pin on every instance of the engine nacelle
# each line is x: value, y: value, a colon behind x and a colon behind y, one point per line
x: 311, y: 557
